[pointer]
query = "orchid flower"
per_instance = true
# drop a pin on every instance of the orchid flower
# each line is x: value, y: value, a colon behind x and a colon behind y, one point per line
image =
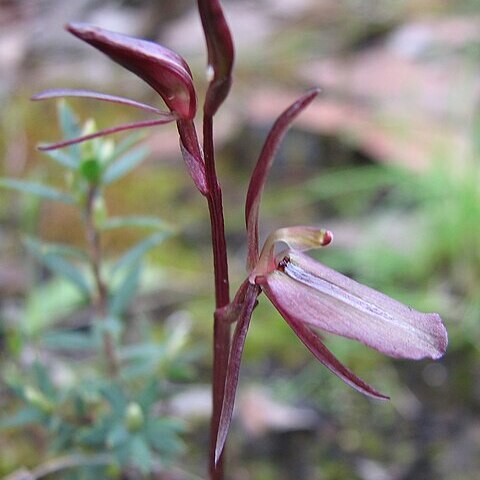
x: 164, y: 70
x: 309, y: 295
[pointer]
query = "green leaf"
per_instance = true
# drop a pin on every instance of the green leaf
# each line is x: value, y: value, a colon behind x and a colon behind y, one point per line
x: 70, y: 127
x: 162, y: 435
x: 125, y: 291
x: 116, y: 398
x: 53, y: 299
x: 117, y: 435
x: 58, y: 264
x: 149, y: 395
x: 59, y: 249
x: 95, y: 435
x: 143, y: 350
x: 110, y: 324
x: 135, y: 254
x: 126, y: 144
x: 63, y: 158
x: 67, y: 340
x: 124, y: 164
x: 43, y: 380
x: 38, y: 189
x: 135, y: 221
x: 140, y: 454
x: 25, y: 416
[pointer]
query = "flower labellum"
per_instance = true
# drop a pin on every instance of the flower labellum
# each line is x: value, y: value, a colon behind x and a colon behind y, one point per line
x: 164, y: 70
x: 310, y: 295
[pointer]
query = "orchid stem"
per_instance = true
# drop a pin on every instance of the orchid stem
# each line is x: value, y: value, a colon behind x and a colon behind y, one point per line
x: 221, y: 330
x: 101, y: 301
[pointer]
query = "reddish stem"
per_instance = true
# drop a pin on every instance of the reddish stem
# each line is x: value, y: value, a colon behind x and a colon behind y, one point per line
x: 221, y: 330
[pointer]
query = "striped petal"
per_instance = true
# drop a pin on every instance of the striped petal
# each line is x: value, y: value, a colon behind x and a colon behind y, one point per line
x: 316, y: 295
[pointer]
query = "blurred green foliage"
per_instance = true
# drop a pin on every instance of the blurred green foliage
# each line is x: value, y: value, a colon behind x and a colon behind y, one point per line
x: 95, y: 420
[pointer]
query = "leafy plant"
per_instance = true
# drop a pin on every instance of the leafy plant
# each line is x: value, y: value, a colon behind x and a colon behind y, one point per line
x: 106, y: 416
x: 308, y: 295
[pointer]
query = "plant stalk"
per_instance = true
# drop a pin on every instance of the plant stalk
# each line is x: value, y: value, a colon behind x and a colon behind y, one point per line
x: 221, y: 330
x: 101, y: 300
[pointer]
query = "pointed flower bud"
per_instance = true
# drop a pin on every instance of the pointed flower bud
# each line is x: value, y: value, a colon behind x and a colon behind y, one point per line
x: 164, y: 70
x: 220, y: 53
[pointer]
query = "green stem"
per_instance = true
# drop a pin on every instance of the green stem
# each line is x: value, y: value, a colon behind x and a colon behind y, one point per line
x: 101, y: 301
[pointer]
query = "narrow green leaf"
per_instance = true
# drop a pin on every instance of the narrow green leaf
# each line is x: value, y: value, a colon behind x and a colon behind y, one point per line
x: 111, y: 325
x: 59, y: 265
x: 126, y: 144
x: 43, y: 380
x: 140, y: 454
x: 143, y: 350
x: 162, y: 434
x: 124, y: 292
x: 70, y: 127
x: 32, y: 188
x: 149, y: 394
x: 117, y: 435
x: 135, y: 221
x: 135, y: 254
x: 67, y: 340
x: 60, y: 249
x: 116, y: 398
x: 63, y: 158
x: 124, y: 164
x: 25, y: 416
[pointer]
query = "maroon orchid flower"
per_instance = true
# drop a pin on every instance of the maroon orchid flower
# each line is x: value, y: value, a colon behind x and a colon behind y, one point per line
x: 164, y: 70
x: 311, y: 296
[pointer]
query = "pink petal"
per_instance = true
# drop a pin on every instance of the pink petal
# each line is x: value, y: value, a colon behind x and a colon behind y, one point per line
x: 312, y: 293
x: 164, y: 70
x: 233, y: 370
x: 220, y: 53
x: 325, y: 357
x: 264, y: 163
x: 66, y: 92
x: 108, y: 131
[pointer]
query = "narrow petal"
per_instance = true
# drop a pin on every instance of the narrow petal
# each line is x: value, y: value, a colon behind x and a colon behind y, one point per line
x: 264, y: 163
x: 164, y: 70
x: 220, y: 53
x: 330, y: 301
x: 233, y: 369
x: 104, y: 97
x: 326, y: 358
x: 107, y: 131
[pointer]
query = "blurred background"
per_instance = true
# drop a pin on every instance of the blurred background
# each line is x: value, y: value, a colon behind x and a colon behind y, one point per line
x: 388, y: 158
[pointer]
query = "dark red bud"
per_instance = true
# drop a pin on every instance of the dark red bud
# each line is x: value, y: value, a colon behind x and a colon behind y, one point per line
x: 164, y: 70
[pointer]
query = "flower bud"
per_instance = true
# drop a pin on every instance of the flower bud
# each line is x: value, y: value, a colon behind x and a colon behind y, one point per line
x: 164, y: 70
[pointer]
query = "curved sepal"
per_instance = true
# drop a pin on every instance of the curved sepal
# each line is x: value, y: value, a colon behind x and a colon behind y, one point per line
x: 260, y: 173
x: 245, y: 309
